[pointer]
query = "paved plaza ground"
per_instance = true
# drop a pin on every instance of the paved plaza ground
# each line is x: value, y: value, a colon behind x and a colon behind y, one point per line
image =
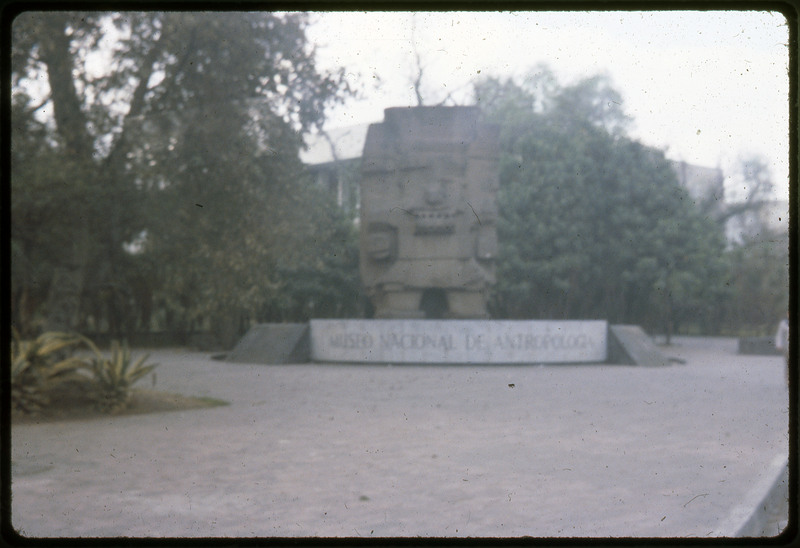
x: 442, y: 451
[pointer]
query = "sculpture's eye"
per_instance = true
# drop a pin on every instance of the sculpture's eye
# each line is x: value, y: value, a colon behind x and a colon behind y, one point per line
x: 435, y: 194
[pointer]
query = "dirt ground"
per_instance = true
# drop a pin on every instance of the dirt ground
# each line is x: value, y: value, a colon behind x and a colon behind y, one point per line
x: 342, y: 450
x: 71, y: 401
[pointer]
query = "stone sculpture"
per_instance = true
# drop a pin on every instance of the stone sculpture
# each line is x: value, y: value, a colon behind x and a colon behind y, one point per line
x: 428, y: 213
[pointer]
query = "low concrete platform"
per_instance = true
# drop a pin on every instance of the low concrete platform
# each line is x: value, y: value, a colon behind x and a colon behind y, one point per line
x: 630, y: 345
x: 272, y: 343
x: 758, y: 346
x: 439, y: 451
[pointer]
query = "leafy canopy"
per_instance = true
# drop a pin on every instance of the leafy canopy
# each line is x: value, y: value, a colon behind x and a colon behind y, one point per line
x: 592, y: 223
x: 172, y: 139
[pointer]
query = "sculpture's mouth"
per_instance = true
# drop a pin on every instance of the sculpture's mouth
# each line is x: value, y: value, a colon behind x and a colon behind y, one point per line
x: 434, y: 221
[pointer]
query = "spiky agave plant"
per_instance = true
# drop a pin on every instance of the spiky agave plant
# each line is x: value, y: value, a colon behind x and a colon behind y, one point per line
x: 115, y: 375
x: 36, y: 366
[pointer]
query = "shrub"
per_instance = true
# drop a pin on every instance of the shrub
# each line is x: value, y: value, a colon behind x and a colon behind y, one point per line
x: 115, y: 375
x: 38, y: 365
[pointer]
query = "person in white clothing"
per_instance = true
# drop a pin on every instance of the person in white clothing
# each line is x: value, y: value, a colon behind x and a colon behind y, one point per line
x: 782, y: 341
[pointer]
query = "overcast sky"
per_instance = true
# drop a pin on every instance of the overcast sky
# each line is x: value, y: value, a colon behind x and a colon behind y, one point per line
x: 707, y: 86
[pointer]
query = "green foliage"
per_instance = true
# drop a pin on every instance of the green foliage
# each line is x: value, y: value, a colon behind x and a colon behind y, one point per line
x: 322, y: 281
x: 255, y: 236
x: 46, y: 204
x: 593, y: 224
x: 115, y: 375
x: 188, y: 146
x: 759, y: 279
x: 39, y: 364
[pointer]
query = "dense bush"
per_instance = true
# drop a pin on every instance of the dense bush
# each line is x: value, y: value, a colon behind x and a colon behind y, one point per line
x: 593, y: 224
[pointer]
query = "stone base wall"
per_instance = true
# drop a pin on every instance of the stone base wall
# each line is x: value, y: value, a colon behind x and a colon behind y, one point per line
x: 458, y: 341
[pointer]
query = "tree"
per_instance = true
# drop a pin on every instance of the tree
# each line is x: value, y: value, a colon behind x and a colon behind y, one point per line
x: 592, y: 224
x: 758, y: 189
x: 38, y: 244
x: 759, y: 281
x: 192, y: 108
x: 324, y: 282
x: 757, y: 254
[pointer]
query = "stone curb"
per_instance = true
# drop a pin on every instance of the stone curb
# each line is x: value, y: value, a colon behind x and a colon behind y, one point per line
x: 751, y: 517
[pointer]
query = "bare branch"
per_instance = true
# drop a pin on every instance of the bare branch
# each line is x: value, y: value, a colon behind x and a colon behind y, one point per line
x: 418, y: 80
x: 325, y: 135
x: 417, y: 83
x: 760, y: 189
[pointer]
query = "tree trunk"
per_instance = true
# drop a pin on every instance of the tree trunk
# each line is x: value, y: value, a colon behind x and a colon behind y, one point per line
x: 64, y: 296
x: 70, y: 119
x: 63, y: 303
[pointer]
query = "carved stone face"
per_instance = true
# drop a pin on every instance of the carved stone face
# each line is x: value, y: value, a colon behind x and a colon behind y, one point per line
x: 434, y: 195
x: 428, y: 213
